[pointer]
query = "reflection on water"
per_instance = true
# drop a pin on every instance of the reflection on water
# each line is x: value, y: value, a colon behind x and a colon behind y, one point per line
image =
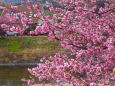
x: 11, y: 76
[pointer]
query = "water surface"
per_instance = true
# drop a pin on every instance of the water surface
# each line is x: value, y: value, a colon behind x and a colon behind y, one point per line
x: 11, y: 76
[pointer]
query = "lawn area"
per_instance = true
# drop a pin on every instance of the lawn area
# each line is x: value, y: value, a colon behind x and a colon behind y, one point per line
x: 26, y: 48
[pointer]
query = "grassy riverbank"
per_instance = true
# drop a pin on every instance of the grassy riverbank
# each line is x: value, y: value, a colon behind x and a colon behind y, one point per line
x: 26, y: 48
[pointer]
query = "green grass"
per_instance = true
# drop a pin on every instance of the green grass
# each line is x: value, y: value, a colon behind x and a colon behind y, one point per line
x: 30, y: 42
x: 14, y: 46
x: 3, y: 43
x: 49, y: 45
x: 27, y: 49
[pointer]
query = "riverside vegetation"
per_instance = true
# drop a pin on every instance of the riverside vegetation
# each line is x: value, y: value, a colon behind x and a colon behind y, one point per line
x: 27, y: 49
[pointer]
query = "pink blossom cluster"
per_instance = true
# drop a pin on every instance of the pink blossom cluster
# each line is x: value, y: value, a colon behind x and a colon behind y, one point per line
x: 86, y: 30
x: 18, y: 20
x: 4, y: 26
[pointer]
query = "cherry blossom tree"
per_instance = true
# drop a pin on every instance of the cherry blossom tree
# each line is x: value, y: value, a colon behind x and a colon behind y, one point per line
x: 18, y: 21
x: 86, y: 29
x: 11, y: 21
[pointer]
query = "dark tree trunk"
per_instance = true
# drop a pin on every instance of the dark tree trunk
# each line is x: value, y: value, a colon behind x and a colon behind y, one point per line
x: 2, y: 33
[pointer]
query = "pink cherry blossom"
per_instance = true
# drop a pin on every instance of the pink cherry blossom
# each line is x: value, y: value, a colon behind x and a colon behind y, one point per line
x: 86, y: 31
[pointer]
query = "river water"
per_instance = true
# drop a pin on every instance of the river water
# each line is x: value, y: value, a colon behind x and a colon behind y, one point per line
x: 11, y: 76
